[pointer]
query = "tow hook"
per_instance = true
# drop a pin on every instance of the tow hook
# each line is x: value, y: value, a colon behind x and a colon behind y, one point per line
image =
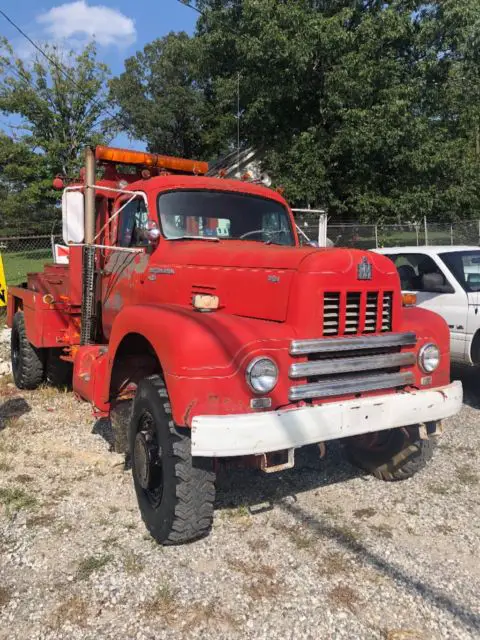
x: 428, y: 429
x: 275, y: 461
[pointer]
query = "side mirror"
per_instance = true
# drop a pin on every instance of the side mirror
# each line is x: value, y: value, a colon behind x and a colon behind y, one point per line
x: 435, y: 283
x: 73, y: 223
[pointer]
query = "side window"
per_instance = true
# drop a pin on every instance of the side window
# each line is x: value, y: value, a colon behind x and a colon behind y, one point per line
x: 419, y: 272
x: 132, y: 224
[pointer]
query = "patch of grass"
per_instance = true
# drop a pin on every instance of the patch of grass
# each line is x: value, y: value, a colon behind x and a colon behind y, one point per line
x: 258, y: 544
x: 91, y: 565
x: 162, y: 604
x: 130, y: 525
x: 438, y: 489
x: 403, y: 634
x: 111, y: 541
x: 5, y: 596
x: 297, y: 537
x: 41, y: 520
x: 74, y: 610
x: 383, y: 529
x: 262, y: 590
x: 239, y: 516
x: 209, y: 614
x: 133, y: 564
x: 348, y: 534
x: 444, y: 528
x: 4, y: 466
x: 113, y: 509
x: 368, y: 512
x: 250, y: 569
x: 344, y: 596
x: 467, y: 476
x: 15, y: 498
x: 23, y: 478
x: 333, y: 563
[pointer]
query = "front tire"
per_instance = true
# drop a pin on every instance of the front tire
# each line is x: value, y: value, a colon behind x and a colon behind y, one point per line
x: 394, y: 454
x: 175, y: 492
x: 28, y: 362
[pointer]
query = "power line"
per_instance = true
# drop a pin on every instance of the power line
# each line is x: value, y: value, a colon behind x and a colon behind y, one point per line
x: 59, y: 67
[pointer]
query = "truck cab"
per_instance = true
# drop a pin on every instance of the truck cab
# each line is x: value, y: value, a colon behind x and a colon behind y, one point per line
x: 190, y: 315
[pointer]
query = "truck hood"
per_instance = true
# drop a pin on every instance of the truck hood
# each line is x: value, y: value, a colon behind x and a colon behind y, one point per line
x: 256, y: 280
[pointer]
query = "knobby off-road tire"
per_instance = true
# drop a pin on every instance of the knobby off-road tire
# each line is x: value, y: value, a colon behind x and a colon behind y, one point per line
x: 175, y: 492
x: 396, y: 454
x: 59, y: 372
x: 28, y: 362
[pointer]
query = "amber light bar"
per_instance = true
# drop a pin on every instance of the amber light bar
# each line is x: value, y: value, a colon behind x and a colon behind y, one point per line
x: 124, y: 156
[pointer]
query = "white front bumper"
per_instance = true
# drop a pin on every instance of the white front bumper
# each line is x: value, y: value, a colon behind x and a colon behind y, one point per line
x: 256, y: 433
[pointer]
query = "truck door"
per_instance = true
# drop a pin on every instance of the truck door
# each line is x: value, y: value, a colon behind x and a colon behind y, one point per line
x: 447, y: 298
x: 128, y: 240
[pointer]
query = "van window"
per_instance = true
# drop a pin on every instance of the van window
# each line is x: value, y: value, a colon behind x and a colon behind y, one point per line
x: 412, y: 267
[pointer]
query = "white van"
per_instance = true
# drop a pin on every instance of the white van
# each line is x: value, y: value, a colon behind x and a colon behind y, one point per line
x: 445, y: 280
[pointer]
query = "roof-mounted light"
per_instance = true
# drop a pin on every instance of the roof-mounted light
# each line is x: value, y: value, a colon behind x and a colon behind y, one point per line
x: 124, y: 156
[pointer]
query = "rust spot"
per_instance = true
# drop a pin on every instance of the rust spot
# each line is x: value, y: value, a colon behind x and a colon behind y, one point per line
x: 190, y: 406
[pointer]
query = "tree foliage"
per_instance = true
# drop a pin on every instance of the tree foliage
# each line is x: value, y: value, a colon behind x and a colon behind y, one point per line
x: 60, y: 107
x: 370, y: 108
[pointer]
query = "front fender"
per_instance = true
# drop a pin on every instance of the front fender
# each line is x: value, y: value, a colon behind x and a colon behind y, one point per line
x: 202, y: 355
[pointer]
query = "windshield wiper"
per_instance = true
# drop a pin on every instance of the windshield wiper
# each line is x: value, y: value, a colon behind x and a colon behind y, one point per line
x: 209, y: 238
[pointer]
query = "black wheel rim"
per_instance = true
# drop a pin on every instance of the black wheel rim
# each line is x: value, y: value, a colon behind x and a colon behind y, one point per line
x: 147, y: 462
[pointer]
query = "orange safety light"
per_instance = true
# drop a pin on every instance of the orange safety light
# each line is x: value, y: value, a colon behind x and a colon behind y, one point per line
x: 124, y: 156
x: 409, y: 299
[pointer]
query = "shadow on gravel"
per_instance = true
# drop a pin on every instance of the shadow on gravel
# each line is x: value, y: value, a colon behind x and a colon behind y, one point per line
x: 12, y: 410
x: 325, y: 529
x: 470, y: 377
x: 250, y: 488
x: 103, y: 428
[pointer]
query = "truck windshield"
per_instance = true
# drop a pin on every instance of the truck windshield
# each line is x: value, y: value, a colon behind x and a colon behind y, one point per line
x: 224, y: 215
x: 465, y: 266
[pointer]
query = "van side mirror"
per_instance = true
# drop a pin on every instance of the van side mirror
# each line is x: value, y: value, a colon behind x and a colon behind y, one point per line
x: 435, y: 283
x: 73, y: 220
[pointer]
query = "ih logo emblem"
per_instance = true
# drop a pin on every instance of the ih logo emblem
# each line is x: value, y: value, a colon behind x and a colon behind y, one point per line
x: 364, y: 269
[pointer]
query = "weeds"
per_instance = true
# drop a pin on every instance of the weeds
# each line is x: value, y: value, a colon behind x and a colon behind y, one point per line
x: 133, y: 564
x: 467, y: 476
x: 73, y: 610
x: 343, y: 596
x: 92, y: 564
x: 369, y: 512
x: 5, y: 596
x: 332, y: 563
x: 162, y: 604
x: 15, y: 498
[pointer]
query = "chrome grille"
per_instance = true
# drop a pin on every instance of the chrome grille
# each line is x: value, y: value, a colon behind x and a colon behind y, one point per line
x: 371, y: 312
x: 331, y: 313
x: 352, y: 313
x: 340, y: 366
x: 374, y: 320
x: 387, y: 311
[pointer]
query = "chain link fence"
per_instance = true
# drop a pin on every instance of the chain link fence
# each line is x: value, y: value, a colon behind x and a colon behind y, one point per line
x: 23, y: 254
x: 371, y: 236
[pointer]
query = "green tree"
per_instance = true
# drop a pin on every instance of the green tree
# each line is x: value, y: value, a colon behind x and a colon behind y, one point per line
x: 61, y: 102
x: 161, y: 98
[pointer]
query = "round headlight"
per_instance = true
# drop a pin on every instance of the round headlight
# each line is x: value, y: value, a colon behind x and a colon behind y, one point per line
x: 262, y: 375
x: 429, y: 357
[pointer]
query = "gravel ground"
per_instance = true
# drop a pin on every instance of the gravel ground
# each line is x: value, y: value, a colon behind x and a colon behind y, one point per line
x: 321, y: 551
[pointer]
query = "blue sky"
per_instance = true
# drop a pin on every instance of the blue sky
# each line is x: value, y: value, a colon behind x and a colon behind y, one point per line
x: 120, y: 28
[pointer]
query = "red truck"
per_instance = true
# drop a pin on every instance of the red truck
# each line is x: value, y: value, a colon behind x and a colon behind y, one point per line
x: 190, y: 315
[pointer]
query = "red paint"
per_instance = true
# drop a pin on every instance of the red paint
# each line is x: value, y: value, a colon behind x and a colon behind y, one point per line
x: 269, y: 295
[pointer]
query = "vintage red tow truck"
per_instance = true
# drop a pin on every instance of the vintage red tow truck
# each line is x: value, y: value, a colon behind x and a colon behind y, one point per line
x: 189, y: 314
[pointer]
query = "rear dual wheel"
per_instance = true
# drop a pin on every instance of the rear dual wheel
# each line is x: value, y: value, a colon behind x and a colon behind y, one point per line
x: 30, y: 365
x: 393, y: 454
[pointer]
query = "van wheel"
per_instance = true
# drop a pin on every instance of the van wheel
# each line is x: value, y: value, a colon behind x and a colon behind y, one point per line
x: 59, y: 372
x: 28, y: 362
x: 394, y: 454
x: 175, y: 492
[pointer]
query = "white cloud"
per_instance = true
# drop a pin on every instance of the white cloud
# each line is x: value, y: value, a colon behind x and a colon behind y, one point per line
x: 80, y: 21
